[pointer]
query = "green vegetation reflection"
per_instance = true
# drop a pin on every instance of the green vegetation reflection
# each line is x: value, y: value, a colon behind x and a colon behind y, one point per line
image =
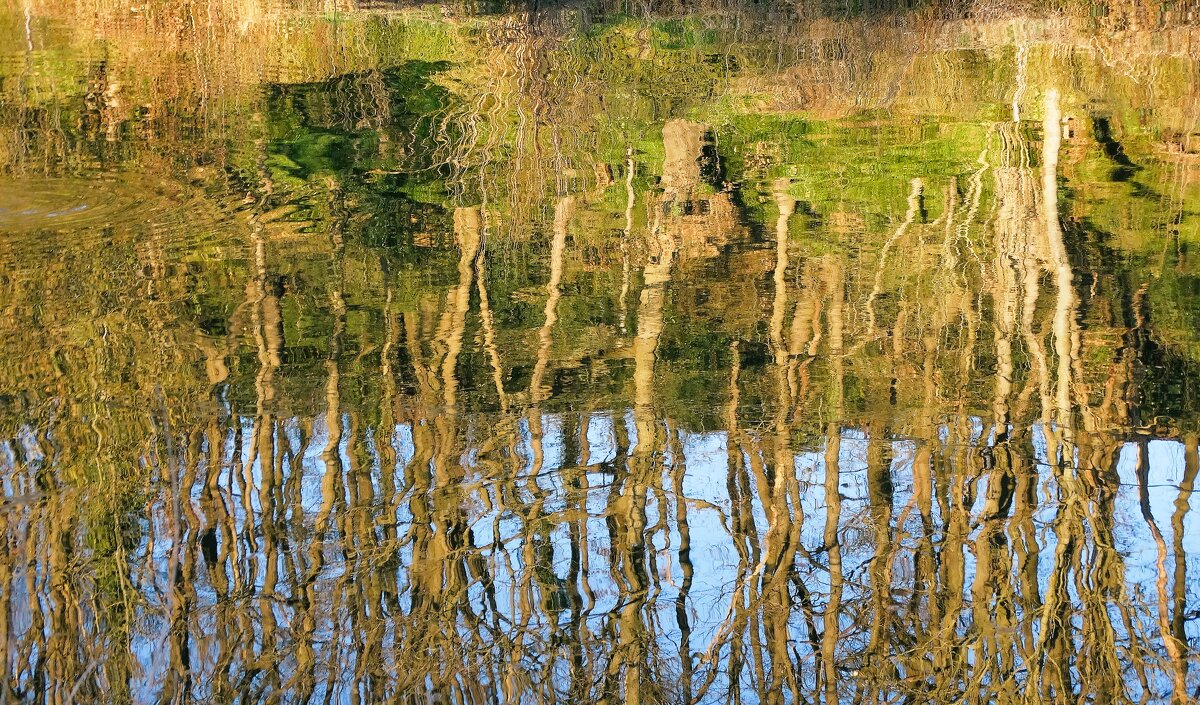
x: 595, y: 354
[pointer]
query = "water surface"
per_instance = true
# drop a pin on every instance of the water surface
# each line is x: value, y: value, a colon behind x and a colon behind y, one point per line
x: 368, y: 354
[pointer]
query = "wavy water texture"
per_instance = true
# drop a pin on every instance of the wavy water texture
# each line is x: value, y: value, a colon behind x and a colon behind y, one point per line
x: 352, y: 352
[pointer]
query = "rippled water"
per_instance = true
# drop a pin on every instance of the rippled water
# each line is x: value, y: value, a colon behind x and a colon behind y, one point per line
x: 365, y: 354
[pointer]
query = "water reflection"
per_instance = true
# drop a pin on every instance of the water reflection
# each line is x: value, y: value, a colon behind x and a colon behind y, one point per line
x: 377, y: 378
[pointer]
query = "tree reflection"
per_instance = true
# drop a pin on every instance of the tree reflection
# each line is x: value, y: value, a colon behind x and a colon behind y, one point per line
x: 419, y: 398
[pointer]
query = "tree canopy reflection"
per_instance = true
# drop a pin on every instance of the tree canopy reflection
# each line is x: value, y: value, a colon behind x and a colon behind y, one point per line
x: 633, y: 361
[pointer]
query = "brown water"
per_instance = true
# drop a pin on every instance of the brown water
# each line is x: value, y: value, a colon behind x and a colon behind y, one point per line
x: 364, y: 354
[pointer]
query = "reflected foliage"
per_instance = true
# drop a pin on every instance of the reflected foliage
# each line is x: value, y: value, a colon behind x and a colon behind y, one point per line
x: 664, y: 355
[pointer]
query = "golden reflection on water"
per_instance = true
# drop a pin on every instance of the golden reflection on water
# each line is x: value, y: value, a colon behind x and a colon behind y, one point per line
x: 372, y: 380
